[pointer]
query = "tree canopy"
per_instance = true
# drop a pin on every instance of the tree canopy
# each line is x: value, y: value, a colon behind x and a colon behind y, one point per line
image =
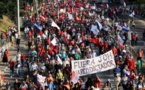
x: 9, y: 7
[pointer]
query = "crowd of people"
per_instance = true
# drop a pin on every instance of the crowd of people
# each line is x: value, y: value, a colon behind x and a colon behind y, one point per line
x: 63, y: 31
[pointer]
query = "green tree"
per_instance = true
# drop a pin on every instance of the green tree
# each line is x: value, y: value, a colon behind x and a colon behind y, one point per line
x: 2, y: 9
x: 9, y: 7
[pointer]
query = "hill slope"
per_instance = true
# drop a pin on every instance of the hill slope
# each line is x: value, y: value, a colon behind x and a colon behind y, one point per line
x: 5, y: 23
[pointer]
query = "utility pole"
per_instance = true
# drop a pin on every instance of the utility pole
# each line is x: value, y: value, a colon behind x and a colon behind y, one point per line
x: 36, y: 4
x: 18, y: 16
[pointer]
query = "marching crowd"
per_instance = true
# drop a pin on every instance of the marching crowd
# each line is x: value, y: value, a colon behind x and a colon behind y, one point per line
x: 74, y: 30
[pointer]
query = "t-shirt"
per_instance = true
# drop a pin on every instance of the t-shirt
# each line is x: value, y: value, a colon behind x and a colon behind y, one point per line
x: 124, y: 80
x: 34, y: 67
x: 63, y: 55
x: 33, y: 53
x: 18, y: 57
x: 140, y: 86
x: 77, y: 56
x: 83, y: 85
x: 138, y: 64
x: 117, y: 70
x: 11, y: 63
x: 140, y: 53
x: 118, y: 80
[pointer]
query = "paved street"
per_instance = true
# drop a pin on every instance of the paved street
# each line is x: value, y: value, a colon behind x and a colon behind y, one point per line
x: 12, y: 53
x: 140, y: 25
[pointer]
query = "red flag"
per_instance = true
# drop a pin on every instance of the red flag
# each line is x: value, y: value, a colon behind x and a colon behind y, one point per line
x: 55, y: 49
x: 90, y: 39
x: 120, y: 45
x: 131, y: 64
x: 49, y: 51
x: 51, y: 46
x: 78, y: 4
x: 95, y: 41
x: 114, y: 50
x: 41, y: 51
x: 41, y: 17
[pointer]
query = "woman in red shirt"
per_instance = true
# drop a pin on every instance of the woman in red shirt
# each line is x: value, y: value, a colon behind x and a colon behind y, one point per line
x: 5, y: 57
x: 22, y: 59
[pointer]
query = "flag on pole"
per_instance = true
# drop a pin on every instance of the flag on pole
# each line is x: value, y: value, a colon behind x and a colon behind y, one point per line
x: 125, y: 29
x: 132, y: 14
x: 41, y: 80
x: 120, y: 42
x: 99, y: 25
x: 41, y: 52
x: 42, y: 17
x: 74, y: 77
x: 94, y: 29
x: 119, y: 27
x: 53, y: 24
x: 37, y: 26
x: 58, y: 59
x: 53, y: 42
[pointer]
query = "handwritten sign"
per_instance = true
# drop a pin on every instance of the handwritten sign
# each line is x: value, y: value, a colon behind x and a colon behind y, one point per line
x: 101, y: 63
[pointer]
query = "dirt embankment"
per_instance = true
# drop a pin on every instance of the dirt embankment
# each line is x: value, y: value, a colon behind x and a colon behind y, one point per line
x: 5, y: 23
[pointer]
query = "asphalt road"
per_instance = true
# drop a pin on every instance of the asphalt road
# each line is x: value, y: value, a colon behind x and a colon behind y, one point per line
x: 103, y: 75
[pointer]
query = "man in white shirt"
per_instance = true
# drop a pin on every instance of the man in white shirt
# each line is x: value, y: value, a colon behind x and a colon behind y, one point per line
x: 26, y: 31
x: 34, y: 67
x: 18, y: 56
x: 16, y: 35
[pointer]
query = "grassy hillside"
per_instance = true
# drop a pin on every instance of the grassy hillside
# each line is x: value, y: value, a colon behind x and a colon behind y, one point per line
x: 5, y: 23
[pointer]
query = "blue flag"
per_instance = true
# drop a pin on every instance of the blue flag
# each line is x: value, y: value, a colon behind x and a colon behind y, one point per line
x: 37, y: 26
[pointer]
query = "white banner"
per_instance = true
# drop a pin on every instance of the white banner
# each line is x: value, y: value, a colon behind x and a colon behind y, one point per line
x: 94, y: 65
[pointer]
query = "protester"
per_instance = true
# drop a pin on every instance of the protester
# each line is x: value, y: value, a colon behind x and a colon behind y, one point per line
x: 79, y: 32
x: 11, y: 65
x: 5, y: 56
